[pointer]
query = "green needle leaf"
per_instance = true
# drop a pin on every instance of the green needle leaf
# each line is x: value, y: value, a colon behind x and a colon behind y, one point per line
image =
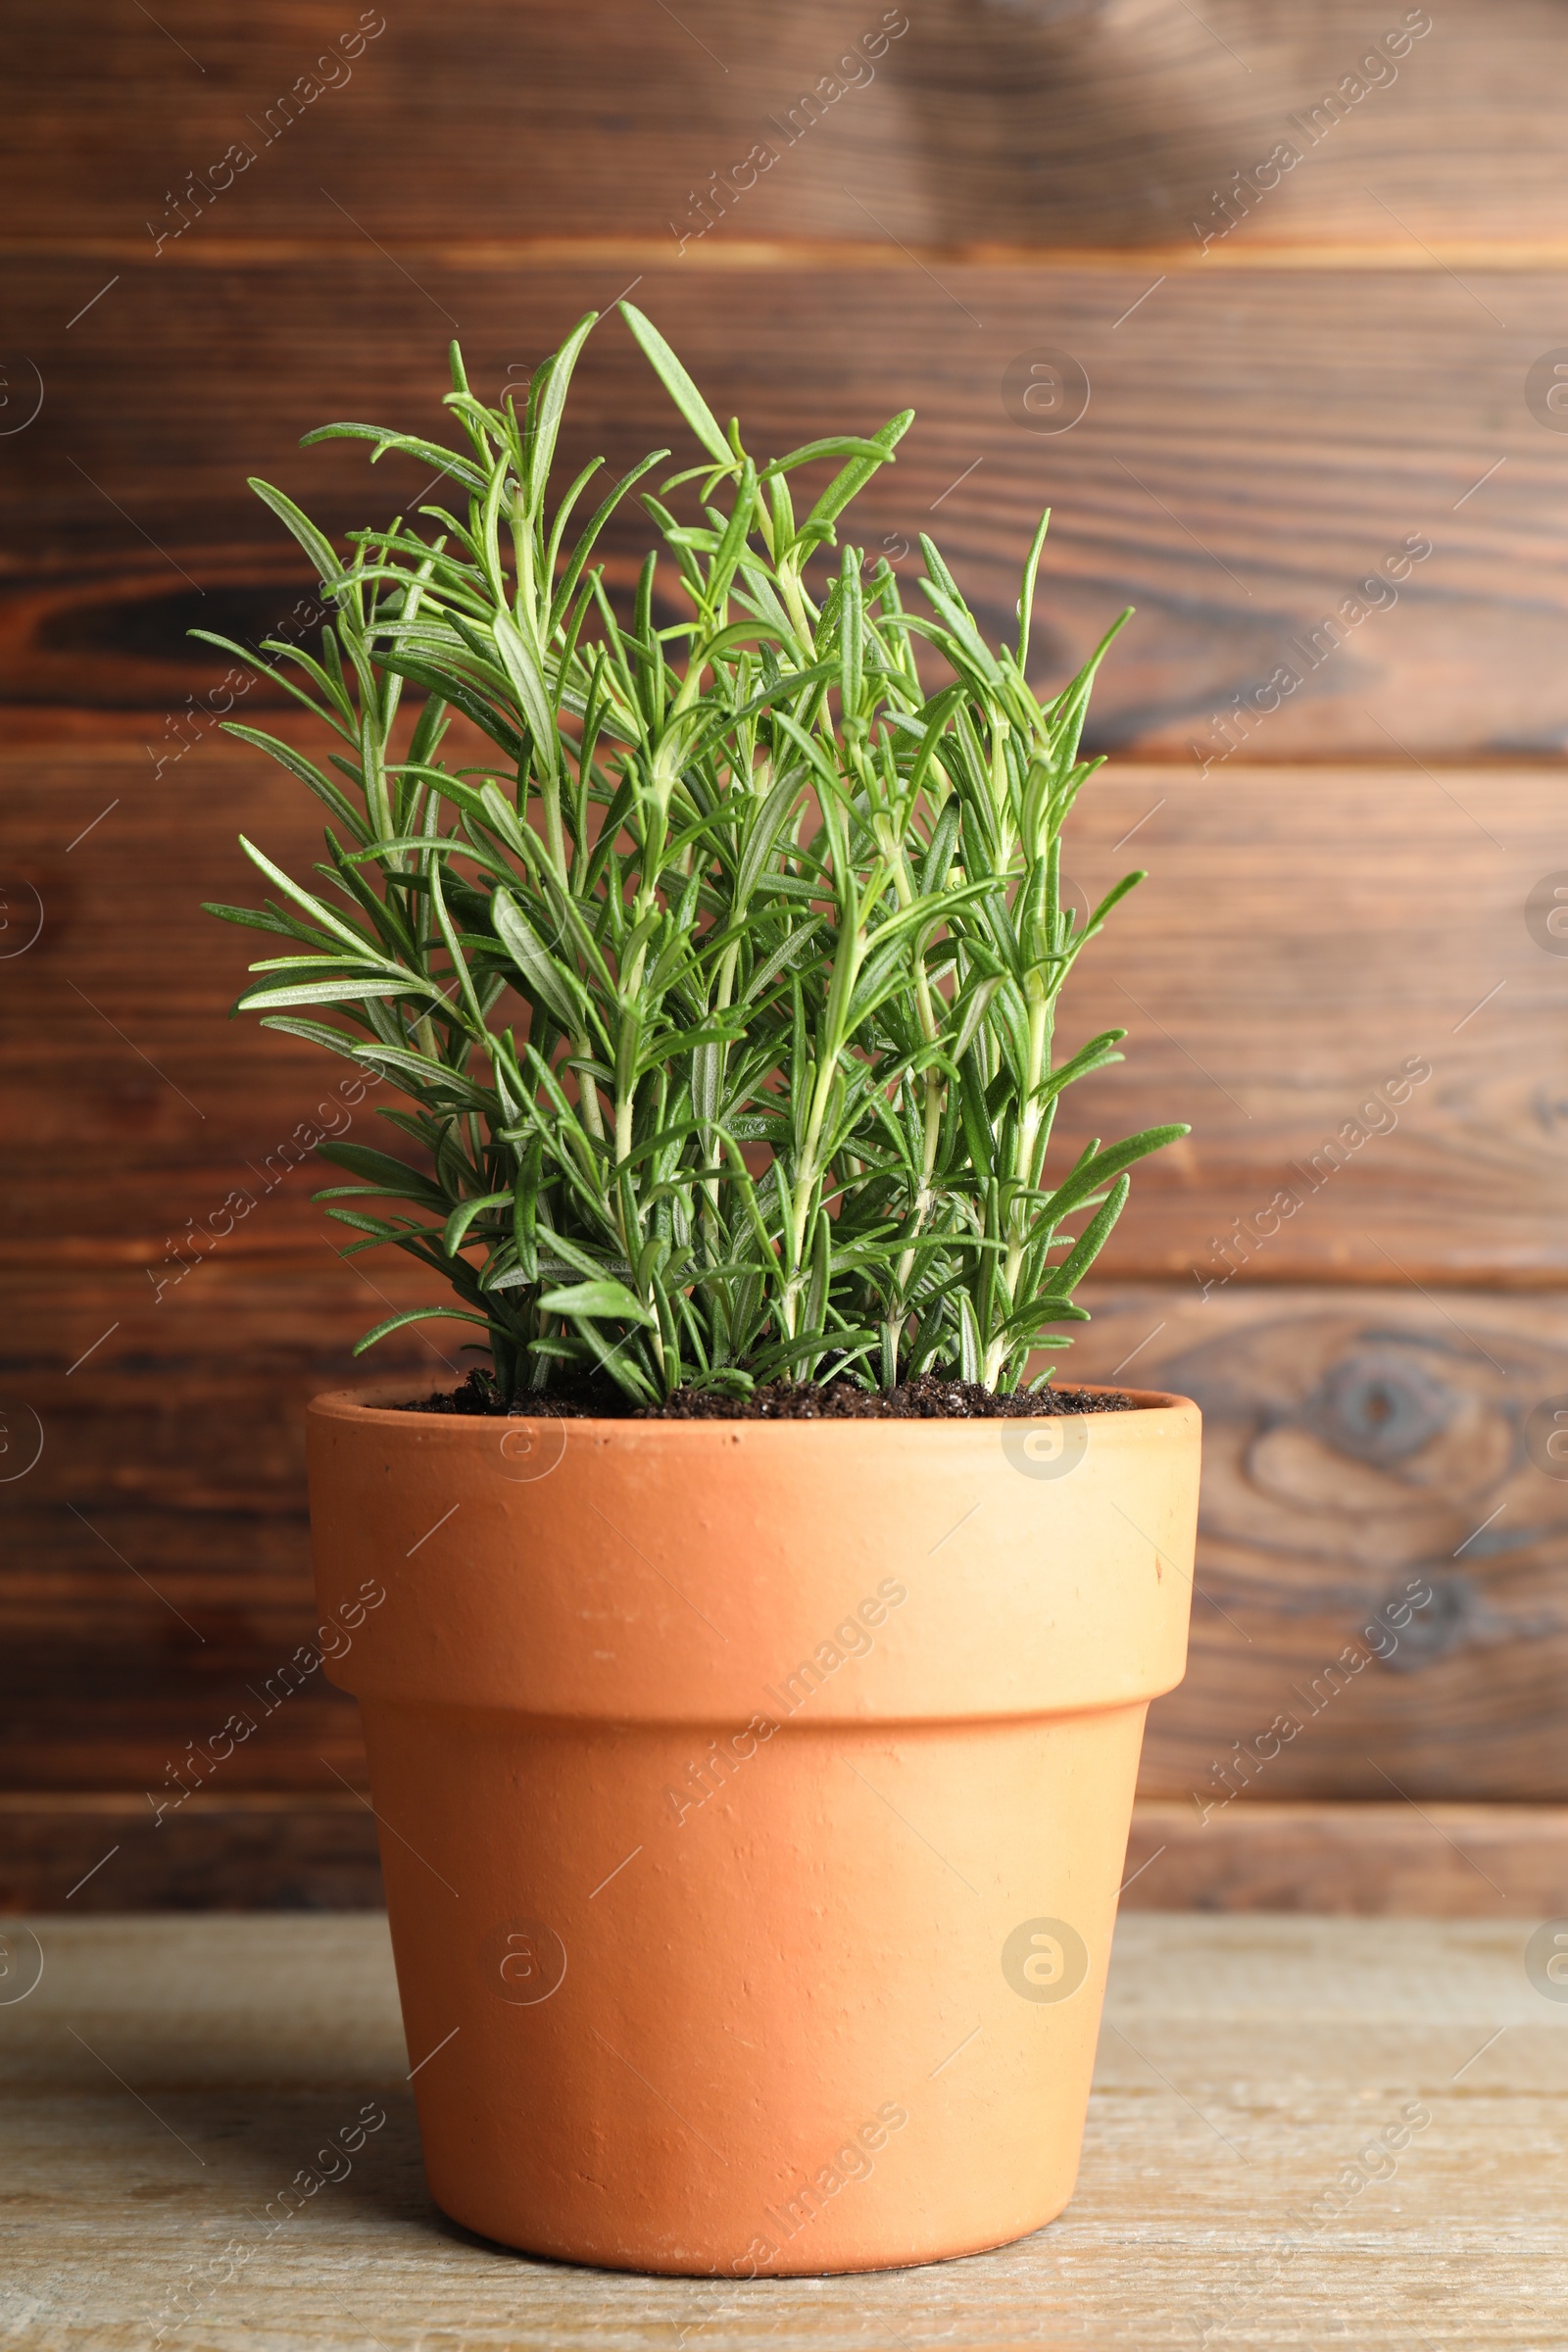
x: 678, y: 384
x: 598, y: 1298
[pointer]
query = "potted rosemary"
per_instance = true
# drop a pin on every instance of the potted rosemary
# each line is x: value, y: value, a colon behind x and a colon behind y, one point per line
x: 755, y: 1709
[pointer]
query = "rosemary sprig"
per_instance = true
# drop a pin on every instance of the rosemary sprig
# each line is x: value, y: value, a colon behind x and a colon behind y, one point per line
x: 723, y: 990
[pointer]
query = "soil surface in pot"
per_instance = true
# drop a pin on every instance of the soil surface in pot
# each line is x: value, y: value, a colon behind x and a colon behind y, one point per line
x: 924, y: 1400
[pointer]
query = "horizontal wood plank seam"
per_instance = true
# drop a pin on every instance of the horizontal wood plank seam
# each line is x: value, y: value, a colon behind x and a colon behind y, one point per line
x: 1509, y: 255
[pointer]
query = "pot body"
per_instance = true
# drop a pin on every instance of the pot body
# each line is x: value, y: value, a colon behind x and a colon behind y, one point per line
x: 752, y: 1800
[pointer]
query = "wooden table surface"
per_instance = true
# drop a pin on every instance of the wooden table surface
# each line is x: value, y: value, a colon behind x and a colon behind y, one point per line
x: 165, y: 2078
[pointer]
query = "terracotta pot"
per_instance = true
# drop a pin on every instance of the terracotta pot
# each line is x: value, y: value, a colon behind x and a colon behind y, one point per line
x: 753, y: 1801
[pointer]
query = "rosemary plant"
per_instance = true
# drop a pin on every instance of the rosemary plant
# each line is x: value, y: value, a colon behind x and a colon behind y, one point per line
x: 720, y: 976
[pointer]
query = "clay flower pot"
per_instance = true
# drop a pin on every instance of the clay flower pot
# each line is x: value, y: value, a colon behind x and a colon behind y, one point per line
x: 753, y: 1802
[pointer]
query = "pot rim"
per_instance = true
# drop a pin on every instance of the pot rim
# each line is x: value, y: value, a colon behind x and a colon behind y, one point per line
x: 380, y: 1403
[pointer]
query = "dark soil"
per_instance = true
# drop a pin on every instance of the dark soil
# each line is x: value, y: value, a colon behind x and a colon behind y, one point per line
x: 924, y: 1400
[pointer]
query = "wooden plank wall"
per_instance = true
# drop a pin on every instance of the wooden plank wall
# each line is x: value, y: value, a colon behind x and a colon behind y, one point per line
x: 1315, y: 388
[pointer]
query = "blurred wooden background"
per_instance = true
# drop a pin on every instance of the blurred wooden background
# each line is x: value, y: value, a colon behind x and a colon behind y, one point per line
x: 1294, y: 374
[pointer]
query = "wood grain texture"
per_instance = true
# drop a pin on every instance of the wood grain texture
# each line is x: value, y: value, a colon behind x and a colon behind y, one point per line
x: 295, y: 1849
x: 1245, y: 462
x: 1433, y: 1861
x: 1227, y: 2195
x: 1274, y: 411
x: 1359, y: 1447
x: 279, y: 1849
x: 157, y: 1577
x: 1053, y: 122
